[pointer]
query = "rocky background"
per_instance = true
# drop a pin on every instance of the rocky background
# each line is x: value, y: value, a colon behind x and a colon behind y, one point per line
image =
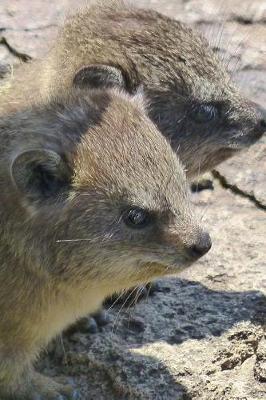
x: 201, y: 336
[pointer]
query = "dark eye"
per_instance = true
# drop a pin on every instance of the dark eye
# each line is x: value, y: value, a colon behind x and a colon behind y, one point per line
x: 204, y: 113
x: 136, y: 218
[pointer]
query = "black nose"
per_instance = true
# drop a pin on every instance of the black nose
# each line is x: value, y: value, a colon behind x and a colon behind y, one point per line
x: 258, y: 131
x: 261, y: 125
x: 201, y: 247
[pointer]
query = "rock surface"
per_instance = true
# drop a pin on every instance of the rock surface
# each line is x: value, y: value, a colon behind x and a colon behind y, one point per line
x: 201, y: 336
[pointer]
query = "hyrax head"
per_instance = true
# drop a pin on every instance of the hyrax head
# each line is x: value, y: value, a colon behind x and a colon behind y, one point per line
x: 101, y: 193
x: 191, y: 98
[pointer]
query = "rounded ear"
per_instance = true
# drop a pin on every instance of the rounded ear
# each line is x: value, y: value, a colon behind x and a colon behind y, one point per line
x: 99, y: 77
x: 39, y: 174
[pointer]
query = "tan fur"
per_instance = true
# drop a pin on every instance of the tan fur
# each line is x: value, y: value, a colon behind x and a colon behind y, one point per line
x: 65, y: 247
x: 178, y: 71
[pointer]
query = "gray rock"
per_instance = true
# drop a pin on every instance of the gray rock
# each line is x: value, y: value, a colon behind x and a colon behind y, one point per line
x: 200, y: 336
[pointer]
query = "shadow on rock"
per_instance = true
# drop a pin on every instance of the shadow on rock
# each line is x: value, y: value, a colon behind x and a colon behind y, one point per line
x: 184, y: 309
x: 120, y: 360
x: 181, y: 309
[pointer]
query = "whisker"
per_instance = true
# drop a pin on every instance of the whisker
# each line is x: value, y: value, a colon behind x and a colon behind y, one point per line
x: 121, y: 308
x: 204, y: 211
x: 73, y: 240
x: 63, y: 347
x: 148, y: 291
x: 116, y: 300
x: 132, y: 305
x: 134, y: 301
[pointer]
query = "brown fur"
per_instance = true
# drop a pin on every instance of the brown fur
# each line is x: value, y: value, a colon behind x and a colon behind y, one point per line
x: 69, y: 170
x: 178, y: 70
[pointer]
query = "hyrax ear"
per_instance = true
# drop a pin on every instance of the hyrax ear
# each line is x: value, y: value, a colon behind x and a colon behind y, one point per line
x: 99, y: 77
x: 40, y: 174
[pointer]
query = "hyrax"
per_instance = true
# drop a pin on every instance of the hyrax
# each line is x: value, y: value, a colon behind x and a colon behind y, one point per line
x: 191, y: 97
x: 93, y: 200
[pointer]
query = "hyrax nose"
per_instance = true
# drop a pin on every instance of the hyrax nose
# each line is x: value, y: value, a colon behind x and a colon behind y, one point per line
x: 201, y: 246
x: 261, y: 124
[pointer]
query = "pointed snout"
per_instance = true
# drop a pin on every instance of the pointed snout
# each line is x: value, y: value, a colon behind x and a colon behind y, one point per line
x: 200, y: 247
x: 188, y: 239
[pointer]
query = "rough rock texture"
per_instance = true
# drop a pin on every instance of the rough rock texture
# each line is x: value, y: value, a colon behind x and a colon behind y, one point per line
x: 202, y: 335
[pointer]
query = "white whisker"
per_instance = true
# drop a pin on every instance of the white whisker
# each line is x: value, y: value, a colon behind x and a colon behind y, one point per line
x: 73, y: 240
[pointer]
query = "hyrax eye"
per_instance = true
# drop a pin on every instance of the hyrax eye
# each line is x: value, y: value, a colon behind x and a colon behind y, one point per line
x: 136, y: 218
x: 204, y: 113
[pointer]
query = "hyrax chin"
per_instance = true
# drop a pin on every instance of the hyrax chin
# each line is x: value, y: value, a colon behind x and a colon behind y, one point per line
x: 191, y: 98
x: 93, y: 200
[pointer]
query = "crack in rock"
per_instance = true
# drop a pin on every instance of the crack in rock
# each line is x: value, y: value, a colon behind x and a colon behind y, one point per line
x: 239, y: 19
x: 247, y: 21
x: 235, y: 189
x: 36, y: 28
x: 22, y: 56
